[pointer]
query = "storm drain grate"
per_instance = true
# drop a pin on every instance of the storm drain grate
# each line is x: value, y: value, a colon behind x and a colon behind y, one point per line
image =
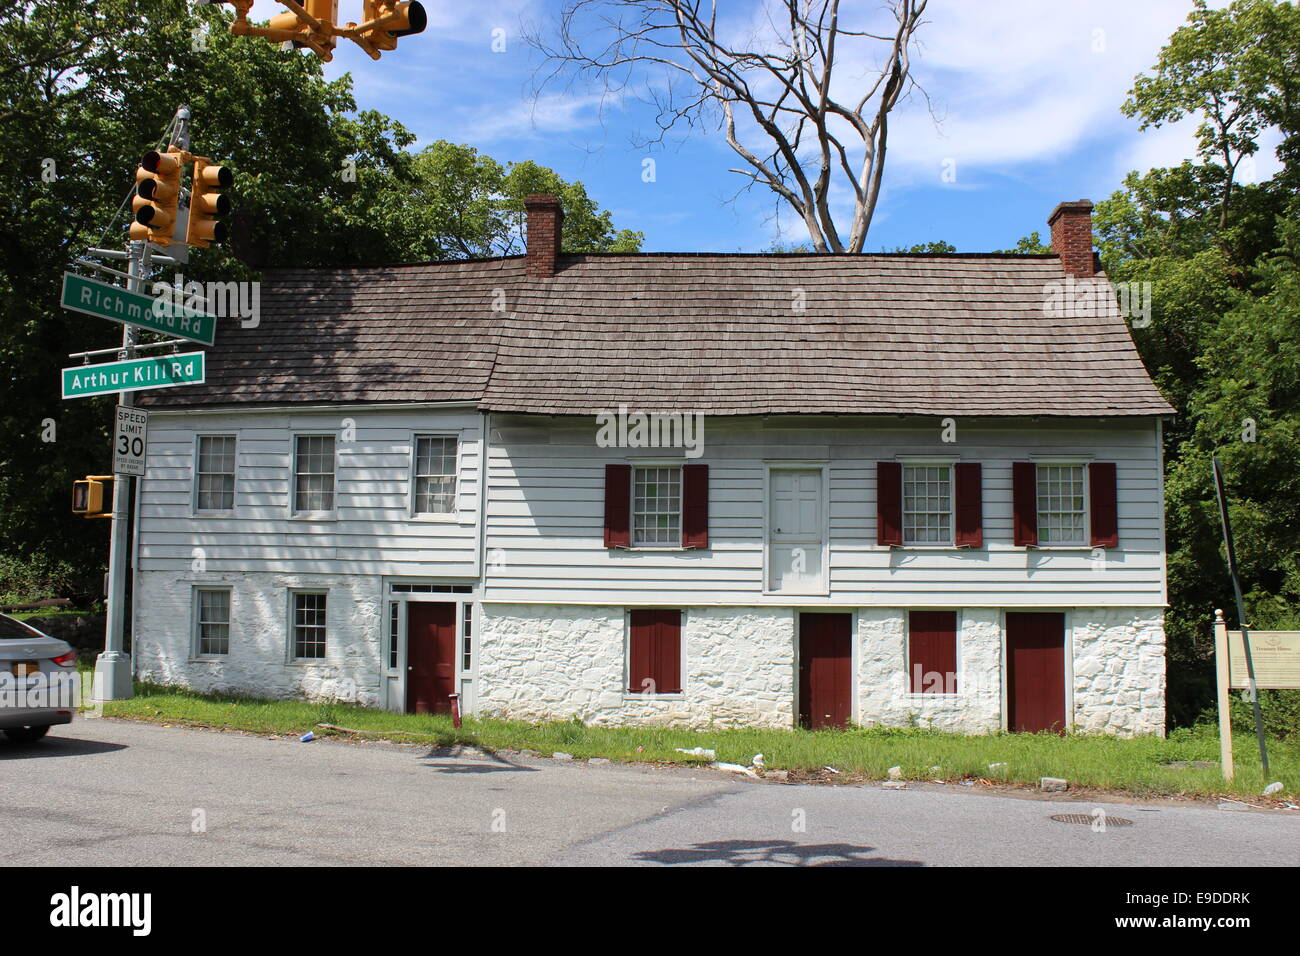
x: 1088, y: 818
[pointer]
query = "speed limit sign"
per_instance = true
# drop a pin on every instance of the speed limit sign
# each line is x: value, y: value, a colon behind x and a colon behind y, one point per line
x: 129, y: 441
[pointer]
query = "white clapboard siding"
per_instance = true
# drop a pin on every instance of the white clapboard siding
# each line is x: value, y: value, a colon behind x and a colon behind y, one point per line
x: 372, y: 531
x: 546, y: 507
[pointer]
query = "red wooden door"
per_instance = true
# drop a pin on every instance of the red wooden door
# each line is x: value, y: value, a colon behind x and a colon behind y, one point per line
x: 430, y: 657
x: 1036, y: 672
x: 825, y: 670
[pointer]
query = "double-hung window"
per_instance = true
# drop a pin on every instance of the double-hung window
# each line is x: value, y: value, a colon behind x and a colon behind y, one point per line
x: 215, y: 473
x: 308, y: 625
x: 1061, y: 515
x: 657, y: 507
x: 313, y: 474
x: 211, y: 622
x: 927, y: 504
x: 435, y: 475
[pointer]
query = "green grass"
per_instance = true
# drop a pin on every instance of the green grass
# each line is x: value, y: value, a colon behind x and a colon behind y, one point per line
x: 48, y: 612
x: 1134, y: 766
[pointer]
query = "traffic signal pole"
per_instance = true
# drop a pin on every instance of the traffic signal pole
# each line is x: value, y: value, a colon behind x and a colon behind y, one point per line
x: 113, y: 671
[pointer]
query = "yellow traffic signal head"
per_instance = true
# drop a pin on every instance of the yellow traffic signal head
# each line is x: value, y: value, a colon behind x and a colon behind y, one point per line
x: 89, y: 495
x: 387, y: 20
x: 158, y: 190
x: 207, y: 204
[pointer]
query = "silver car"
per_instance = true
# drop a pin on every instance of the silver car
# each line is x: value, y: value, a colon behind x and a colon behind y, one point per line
x: 37, y: 681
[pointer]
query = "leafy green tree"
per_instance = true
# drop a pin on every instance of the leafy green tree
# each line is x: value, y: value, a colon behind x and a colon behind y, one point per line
x: 1220, y: 256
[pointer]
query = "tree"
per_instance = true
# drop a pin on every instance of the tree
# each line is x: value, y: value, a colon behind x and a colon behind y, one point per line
x: 1220, y: 258
x: 87, y: 87
x: 1238, y: 69
x: 801, y: 129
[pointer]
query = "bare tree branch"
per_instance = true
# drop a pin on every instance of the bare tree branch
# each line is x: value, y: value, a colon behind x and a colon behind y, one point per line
x: 819, y: 145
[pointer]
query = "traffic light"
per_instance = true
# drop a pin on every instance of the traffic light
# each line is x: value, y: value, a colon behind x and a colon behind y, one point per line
x: 386, y: 20
x: 90, y: 494
x: 157, y: 191
x: 208, y: 206
x: 289, y: 27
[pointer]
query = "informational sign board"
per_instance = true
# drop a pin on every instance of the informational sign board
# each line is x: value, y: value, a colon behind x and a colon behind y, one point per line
x: 134, y: 375
x: 106, y: 301
x: 1275, y: 654
x: 1276, y: 659
x: 129, y: 437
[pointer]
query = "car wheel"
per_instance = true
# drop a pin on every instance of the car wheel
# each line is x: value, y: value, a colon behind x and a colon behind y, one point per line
x: 26, y: 735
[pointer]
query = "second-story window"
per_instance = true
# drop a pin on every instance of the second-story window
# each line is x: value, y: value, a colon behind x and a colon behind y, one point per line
x: 1061, y: 518
x: 657, y: 507
x: 215, y: 473
x: 313, y: 467
x: 435, y: 475
x: 927, y: 504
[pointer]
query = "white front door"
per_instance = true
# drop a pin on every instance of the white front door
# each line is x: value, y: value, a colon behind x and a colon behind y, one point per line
x: 796, y: 525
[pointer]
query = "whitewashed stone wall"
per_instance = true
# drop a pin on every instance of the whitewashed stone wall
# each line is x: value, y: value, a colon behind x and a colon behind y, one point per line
x: 1119, y: 670
x: 540, y: 662
x: 884, y: 692
x: 258, y: 662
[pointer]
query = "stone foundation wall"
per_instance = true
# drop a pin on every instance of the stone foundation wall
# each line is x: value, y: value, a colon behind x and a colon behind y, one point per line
x: 258, y: 663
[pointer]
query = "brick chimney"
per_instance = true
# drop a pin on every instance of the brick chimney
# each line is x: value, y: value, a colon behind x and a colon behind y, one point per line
x: 545, y: 229
x: 1071, y: 224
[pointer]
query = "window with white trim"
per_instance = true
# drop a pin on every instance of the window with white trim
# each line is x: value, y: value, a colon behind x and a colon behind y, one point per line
x: 211, y: 622
x: 927, y: 504
x: 435, y: 475
x: 309, y: 625
x: 657, y: 506
x: 1061, y: 515
x: 313, y: 468
x: 214, y: 473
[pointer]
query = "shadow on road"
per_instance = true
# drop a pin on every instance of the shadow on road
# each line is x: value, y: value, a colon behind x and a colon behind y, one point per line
x: 479, y: 768
x: 478, y: 764
x: 55, y: 747
x: 780, y: 852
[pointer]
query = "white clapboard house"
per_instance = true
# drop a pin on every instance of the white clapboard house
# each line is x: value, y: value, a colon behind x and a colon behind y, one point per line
x: 694, y: 489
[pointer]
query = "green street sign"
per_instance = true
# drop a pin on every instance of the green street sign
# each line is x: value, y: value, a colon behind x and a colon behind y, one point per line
x: 134, y: 375
x: 112, y: 302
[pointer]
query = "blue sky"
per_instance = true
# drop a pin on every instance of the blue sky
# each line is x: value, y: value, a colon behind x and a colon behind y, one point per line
x: 1026, y: 95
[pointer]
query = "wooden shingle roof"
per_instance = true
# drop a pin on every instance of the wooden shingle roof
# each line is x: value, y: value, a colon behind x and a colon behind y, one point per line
x: 719, y: 334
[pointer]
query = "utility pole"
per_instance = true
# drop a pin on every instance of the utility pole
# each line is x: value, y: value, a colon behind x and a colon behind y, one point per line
x: 113, y: 668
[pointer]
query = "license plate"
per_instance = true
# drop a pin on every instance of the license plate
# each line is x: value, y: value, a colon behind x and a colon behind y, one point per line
x: 26, y: 668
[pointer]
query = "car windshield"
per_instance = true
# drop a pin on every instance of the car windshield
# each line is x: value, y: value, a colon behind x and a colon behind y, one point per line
x: 11, y: 630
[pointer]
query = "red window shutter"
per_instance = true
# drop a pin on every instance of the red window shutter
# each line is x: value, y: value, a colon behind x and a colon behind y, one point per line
x: 695, y: 506
x: 932, y: 652
x: 968, y: 478
x: 670, y: 653
x: 1024, y: 503
x: 889, y: 503
x: 654, y: 652
x: 1104, y: 504
x: 618, y: 506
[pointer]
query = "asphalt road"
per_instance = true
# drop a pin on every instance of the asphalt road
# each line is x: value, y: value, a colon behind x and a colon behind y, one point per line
x: 107, y: 792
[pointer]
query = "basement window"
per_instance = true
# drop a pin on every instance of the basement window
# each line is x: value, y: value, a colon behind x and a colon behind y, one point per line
x: 212, y: 622
x: 309, y: 625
